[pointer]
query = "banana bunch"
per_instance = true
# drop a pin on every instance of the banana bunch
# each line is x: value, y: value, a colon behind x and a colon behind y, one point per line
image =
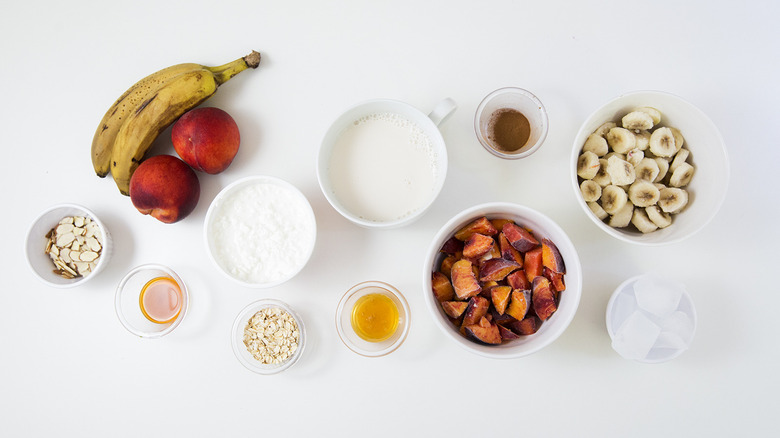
x: 141, y: 113
x: 630, y: 175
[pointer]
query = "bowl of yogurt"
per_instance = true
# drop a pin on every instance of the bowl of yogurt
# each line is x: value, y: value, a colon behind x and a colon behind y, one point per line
x: 260, y: 231
x: 382, y: 163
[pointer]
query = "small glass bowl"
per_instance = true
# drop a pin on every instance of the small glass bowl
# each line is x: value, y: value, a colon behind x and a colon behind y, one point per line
x: 128, y: 307
x: 344, y: 320
x: 517, y: 99
x: 39, y: 261
x: 237, y: 338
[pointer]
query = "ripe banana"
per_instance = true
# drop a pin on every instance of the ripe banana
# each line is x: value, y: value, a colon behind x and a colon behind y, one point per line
x: 588, y: 165
x: 637, y: 121
x: 161, y: 107
x: 103, y: 141
x: 621, y: 140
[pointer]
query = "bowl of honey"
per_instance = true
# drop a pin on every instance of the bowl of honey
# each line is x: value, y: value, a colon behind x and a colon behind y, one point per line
x: 151, y: 301
x: 372, y: 319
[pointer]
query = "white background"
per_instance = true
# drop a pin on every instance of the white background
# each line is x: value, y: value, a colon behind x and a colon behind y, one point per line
x: 68, y: 368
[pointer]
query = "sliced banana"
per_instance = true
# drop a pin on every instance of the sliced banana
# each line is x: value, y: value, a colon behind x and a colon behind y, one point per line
x: 602, y: 177
x: 604, y: 129
x: 663, y: 168
x: 662, y: 143
x: 672, y: 199
x: 659, y: 218
x: 642, y: 222
x: 620, y: 171
x: 621, y: 140
x: 588, y: 165
x: 634, y: 156
x: 679, y: 141
x: 642, y: 140
x: 682, y: 175
x: 613, y: 198
x: 643, y: 193
x: 596, y: 144
x: 591, y: 191
x: 647, y: 169
x: 623, y: 216
x: 652, y: 112
x: 597, y: 210
x: 637, y: 121
x: 679, y: 158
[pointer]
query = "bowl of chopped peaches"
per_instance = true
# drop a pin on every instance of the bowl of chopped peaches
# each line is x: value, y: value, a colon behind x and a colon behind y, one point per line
x: 649, y: 168
x: 502, y: 280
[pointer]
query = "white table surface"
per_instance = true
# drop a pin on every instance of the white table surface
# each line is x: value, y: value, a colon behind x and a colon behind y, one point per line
x: 68, y: 368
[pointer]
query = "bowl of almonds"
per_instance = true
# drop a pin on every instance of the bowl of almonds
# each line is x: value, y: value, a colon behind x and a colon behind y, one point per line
x: 67, y: 245
x: 268, y: 336
x: 649, y: 168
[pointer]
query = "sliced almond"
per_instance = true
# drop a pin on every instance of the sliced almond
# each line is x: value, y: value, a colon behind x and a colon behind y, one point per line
x: 65, y: 239
x: 88, y: 256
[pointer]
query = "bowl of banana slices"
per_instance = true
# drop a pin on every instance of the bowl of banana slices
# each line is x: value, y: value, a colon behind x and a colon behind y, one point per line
x: 649, y: 168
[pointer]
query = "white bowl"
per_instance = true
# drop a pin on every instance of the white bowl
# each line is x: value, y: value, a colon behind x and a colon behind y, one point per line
x: 266, y: 231
x: 708, y: 187
x: 426, y: 123
x: 35, y: 244
x: 542, y: 226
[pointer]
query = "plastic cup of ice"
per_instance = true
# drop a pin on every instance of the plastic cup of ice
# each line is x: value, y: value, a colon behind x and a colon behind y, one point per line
x: 650, y: 319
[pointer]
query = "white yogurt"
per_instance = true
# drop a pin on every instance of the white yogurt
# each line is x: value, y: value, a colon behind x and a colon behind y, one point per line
x: 383, y: 168
x: 261, y: 232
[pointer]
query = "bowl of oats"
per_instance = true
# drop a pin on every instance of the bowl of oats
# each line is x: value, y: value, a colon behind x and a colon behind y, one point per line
x: 268, y: 336
x: 67, y: 245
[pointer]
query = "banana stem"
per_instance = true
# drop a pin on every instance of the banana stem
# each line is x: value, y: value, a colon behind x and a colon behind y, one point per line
x: 224, y: 73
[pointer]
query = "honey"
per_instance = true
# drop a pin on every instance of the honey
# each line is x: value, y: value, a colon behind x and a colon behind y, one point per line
x: 375, y: 317
x: 160, y: 300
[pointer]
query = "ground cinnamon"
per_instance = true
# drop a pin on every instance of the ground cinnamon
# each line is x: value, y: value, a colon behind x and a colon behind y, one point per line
x: 508, y: 129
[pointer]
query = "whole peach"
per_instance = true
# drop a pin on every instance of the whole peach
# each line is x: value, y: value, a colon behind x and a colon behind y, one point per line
x: 206, y: 138
x: 164, y: 187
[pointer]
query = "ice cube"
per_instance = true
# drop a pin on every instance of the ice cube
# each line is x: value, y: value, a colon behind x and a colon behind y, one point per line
x: 671, y: 340
x: 622, y: 307
x: 636, y: 336
x: 657, y: 296
x: 680, y: 324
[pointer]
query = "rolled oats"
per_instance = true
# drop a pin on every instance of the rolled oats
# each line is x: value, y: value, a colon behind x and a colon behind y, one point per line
x: 271, y: 335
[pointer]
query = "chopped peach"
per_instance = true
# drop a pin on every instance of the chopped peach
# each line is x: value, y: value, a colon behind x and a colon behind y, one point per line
x: 556, y: 279
x: 499, y: 296
x: 497, y: 269
x: 507, y: 334
x: 486, y: 335
x: 464, y: 280
x: 508, y: 251
x: 551, y: 257
x: 520, y: 238
x: 452, y: 246
x: 543, y: 298
x: 454, y: 309
x: 446, y: 265
x: 528, y: 326
x: 518, y: 280
x: 498, y: 224
x: 533, y: 263
x: 477, y: 245
x: 477, y: 308
x: 442, y: 288
x: 481, y: 225
x: 519, y: 305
